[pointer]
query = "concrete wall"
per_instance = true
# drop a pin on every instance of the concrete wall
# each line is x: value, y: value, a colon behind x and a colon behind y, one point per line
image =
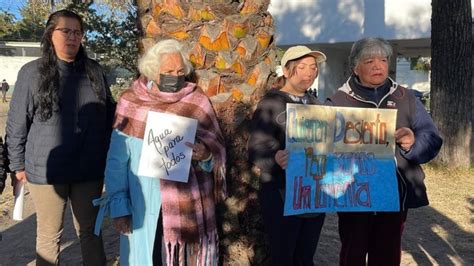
x: 10, y: 65
x: 334, y: 72
x: 413, y: 79
x: 333, y: 25
x: 13, y: 55
x: 334, y: 21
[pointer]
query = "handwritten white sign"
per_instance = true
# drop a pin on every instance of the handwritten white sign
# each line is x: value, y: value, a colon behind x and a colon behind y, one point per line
x: 164, y: 154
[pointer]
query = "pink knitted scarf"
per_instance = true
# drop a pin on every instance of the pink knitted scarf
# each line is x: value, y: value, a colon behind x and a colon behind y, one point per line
x: 188, y: 209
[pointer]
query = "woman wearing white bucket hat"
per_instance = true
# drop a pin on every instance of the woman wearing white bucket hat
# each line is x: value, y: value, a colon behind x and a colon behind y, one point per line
x: 292, y: 239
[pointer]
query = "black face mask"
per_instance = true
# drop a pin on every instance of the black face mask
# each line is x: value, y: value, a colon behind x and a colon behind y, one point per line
x: 169, y: 83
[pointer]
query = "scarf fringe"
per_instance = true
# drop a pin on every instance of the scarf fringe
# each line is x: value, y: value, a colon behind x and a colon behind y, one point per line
x: 204, y: 253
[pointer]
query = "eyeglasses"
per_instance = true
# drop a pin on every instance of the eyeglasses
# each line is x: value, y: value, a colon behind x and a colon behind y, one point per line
x: 66, y: 32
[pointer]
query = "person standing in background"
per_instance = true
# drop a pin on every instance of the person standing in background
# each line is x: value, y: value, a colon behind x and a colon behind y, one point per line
x: 5, y: 88
x: 58, y: 129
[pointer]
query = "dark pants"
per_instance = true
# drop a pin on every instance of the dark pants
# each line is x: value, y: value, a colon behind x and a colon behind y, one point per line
x: 292, y: 240
x: 378, y: 235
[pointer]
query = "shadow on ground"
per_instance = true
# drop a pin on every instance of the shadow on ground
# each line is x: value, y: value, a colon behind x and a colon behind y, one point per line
x: 430, y: 238
x: 17, y: 246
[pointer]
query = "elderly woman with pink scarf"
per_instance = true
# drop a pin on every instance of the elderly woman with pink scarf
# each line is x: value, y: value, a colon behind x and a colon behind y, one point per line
x: 151, y: 211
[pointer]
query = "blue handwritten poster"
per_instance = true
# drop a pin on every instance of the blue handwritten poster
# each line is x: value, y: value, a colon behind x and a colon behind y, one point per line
x: 341, y: 159
x: 164, y: 154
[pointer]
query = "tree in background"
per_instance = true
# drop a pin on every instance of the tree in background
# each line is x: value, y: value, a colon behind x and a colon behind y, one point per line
x: 116, y: 39
x: 231, y: 46
x: 111, y: 29
x: 7, y: 23
x: 31, y: 26
x: 451, y: 80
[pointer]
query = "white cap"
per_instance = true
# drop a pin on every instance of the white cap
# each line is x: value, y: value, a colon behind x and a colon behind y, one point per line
x: 296, y: 52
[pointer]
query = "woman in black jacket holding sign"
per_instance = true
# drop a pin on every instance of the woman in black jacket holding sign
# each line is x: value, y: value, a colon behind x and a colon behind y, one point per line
x: 292, y: 239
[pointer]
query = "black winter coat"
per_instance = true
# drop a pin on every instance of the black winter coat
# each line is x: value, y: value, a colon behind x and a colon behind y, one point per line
x: 267, y: 134
x: 71, y: 146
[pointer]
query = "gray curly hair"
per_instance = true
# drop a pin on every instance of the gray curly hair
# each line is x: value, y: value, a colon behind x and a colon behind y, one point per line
x: 149, y: 65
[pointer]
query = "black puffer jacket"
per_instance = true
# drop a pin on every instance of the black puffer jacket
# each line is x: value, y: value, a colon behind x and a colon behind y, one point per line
x: 267, y: 133
x: 71, y: 146
x: 3, y: 167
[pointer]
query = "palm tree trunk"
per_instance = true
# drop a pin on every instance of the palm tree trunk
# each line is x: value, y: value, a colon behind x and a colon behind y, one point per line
x: 231, y: 46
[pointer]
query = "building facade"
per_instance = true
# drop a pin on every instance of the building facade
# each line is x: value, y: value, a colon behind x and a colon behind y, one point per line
x: 333, y: 25
x: 13, y: 55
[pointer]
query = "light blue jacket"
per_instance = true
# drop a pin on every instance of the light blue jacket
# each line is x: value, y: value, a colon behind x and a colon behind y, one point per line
x: 130, y: 194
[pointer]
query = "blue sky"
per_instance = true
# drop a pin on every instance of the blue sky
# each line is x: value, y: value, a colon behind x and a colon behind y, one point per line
x: 12, y: 6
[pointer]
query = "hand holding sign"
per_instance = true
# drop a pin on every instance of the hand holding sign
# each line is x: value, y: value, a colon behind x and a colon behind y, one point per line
x: 405, y: 138
x: 123, y: 224
x: 281, y: 157
x: 200, y: 151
